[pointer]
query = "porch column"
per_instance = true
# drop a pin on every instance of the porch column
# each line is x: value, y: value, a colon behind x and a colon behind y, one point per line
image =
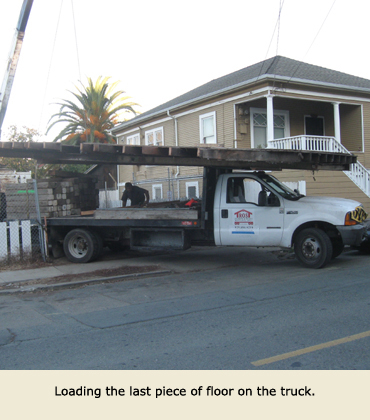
x: 270, y: 118
x: 337, y: 122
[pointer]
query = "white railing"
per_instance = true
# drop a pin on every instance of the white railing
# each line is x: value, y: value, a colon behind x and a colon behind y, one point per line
x: 357, y: 173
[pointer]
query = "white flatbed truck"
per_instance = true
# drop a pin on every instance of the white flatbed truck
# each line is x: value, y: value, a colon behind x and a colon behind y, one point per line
x: 237, y: 209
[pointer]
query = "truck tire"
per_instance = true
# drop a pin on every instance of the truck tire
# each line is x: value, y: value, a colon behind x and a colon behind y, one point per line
x: 313, y: 248
x: 81, y: 246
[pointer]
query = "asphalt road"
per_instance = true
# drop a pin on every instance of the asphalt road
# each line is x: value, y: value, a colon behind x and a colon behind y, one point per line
x: 222, y: 309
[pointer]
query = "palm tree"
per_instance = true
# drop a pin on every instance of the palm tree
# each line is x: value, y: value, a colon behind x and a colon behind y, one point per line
x: 94, y: 115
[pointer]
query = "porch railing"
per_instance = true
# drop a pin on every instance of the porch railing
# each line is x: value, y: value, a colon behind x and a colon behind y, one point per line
x: 357, y: 173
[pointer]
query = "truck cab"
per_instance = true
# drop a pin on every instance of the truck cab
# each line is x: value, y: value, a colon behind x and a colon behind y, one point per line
x: 255, y: 209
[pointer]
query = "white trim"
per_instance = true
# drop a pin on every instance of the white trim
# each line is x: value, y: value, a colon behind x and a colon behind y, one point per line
x: 264, y: 111
x: 192, y: 184
x: 201, y: 118
x: 154, y: 187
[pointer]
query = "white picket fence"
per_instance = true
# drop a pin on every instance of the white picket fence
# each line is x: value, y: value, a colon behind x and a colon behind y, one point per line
x: 15, y: 238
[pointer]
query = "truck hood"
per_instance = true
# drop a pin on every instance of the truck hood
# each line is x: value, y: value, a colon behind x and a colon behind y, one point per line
x: 342, y: 203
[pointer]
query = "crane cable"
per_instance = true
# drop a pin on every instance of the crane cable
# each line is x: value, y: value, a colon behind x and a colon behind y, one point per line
x: 277, y: 26
x: 77, y: 52
x: 309, y: 48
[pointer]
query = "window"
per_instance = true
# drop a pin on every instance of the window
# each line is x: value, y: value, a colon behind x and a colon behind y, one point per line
x: 192, y: 189
x: 249, y: 190
x: 207, y: 128
x: 154, y: 137
x: 259, y: 126
x: 157, y: 192
x: 314, y: 126
x: 133, y: 140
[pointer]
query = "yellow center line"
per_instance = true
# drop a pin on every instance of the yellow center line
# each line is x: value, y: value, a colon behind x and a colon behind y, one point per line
x: 311, y: 349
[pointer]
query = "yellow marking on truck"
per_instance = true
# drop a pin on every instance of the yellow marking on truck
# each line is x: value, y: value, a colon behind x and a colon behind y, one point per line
x: 311, y: 349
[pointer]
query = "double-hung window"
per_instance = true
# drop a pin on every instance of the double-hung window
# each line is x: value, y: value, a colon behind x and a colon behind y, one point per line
x: 133, y: 140
x: 157, y: 192
x: 192, y: 189
x: 154, y: 137
x: 259, y: 126
x: 207, y: 128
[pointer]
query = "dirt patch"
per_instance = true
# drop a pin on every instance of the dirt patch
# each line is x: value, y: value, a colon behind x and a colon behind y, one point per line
x: 72, y: 278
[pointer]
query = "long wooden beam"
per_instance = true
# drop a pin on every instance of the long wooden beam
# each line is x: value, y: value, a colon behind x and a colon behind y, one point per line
x: 91, y: 153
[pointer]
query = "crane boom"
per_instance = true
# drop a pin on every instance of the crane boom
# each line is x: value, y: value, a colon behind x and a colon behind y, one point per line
x: 13, y: 58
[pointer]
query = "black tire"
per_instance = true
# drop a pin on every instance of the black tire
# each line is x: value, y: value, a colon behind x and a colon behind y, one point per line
x: 338, y: 248
x: 81, y: 246
x: 313, y: 248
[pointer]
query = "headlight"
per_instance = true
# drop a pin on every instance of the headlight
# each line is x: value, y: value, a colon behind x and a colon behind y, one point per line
x: 356, y: 216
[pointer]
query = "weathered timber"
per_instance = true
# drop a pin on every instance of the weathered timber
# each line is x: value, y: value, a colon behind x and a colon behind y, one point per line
x: 147, y: 214
x: 255, y: 159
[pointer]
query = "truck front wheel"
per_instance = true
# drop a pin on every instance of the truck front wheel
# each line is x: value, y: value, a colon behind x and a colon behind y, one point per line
x: 313, y: 248
x: 81, y: 246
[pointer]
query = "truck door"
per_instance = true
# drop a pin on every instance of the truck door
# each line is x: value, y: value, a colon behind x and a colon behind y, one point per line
x: 250, y: 213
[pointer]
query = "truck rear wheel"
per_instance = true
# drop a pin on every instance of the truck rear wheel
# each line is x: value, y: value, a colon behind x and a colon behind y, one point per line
x: 81, y: 246
x: 313, y: 248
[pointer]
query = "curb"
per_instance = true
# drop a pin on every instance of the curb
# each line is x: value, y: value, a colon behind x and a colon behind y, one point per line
x: 36, y: 287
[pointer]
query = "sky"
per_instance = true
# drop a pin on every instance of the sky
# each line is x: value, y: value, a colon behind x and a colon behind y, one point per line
x: 161, y: 49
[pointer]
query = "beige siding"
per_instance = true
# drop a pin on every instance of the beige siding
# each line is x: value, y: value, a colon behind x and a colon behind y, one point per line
x: 336, y: 184
x: 326, y: 183
x: 365, y: 159
x: 351, y: 127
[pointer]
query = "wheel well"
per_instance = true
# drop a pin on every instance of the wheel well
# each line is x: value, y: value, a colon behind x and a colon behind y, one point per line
x: 328, y: 228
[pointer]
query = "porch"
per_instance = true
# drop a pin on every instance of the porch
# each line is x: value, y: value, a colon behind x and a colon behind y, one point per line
x: 357, y: 173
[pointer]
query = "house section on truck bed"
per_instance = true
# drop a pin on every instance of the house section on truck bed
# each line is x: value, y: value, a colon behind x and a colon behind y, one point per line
x: 278, y: 103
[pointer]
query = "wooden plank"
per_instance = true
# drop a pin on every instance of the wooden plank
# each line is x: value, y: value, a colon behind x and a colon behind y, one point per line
x: 107, y: 148
x: 86, y: 147
x: 6, y: 144
x: 148, y: 214
x: 50, y: 145
x: 132, y: 150
x: 69, y: 149
x: 18, y: 145
x: 183, y: 151
x: 155, y: 151
x: 34, y: 145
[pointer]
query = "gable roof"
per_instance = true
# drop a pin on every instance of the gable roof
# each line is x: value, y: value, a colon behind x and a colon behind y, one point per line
x: 280, y: 68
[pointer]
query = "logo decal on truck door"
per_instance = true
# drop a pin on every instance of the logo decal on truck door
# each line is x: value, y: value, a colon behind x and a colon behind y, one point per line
x: 243, y: 222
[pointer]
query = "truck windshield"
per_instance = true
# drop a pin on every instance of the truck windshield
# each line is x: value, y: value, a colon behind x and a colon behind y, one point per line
x: 279, y: 187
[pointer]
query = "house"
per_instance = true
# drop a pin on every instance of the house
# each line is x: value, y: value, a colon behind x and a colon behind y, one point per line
x: 277, y: 103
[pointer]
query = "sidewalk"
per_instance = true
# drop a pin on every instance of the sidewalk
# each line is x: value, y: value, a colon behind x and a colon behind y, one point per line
x: 70, y: 274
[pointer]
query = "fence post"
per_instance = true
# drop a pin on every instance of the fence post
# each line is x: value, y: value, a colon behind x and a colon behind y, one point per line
x: 38, y: 213
x: 3, y: 240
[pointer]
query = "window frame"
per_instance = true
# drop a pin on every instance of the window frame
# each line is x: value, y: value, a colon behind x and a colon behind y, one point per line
x: 132, y: 136
x: 280, y: 112
x: 154, y: 186
x: 152, y: 131
x: 201, y: 136
x: 192, y: 184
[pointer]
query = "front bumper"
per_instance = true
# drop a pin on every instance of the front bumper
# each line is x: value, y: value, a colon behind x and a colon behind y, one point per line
x: 353, y: 235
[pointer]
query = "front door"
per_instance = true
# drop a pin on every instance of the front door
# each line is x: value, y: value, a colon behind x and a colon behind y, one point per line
x: 250, y: 214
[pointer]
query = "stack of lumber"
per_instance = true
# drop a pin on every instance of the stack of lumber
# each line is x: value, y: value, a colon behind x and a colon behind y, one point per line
x: 58, y: 197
